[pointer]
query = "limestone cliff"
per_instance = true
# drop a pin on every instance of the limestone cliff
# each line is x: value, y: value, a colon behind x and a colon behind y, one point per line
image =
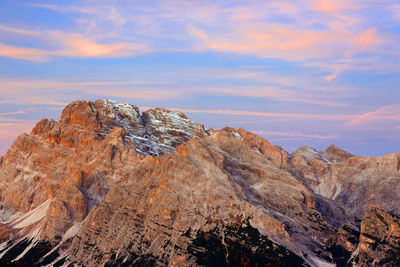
x: 108, y: 185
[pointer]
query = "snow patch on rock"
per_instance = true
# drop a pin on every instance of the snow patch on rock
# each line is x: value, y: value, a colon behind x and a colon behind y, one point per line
x: 310, y: 153
x: 155, y: 131
x: 32, y: 216
x: 28, y: 227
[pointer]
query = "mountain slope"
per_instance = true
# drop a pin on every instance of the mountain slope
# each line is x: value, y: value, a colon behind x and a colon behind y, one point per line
x: 108, y: 185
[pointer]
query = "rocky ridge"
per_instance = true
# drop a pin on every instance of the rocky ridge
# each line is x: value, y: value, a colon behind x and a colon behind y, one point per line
x: 108, y: 185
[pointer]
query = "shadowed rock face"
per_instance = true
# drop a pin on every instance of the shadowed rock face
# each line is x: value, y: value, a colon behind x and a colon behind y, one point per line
x: 379, y: 240
x: 109, y: 185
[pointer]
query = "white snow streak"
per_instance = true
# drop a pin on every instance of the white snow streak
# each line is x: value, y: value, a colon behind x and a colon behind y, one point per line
x: 32, y: 216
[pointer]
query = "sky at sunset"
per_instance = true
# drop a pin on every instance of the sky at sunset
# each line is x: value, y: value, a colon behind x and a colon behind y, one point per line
x: 306, y: 72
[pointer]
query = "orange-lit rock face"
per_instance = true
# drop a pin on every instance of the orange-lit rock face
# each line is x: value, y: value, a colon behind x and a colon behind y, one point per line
x: 77, y: 159
x: 107, y: 178
x: 81, y: 113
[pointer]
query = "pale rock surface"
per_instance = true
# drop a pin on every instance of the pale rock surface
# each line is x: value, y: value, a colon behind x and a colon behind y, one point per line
x: 352, y: 182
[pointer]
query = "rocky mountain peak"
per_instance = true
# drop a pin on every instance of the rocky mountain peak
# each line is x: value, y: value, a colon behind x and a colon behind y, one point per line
x: 155, y: 131
x: 109, y: 185
x: 307, y: 152
x: 335, y: 154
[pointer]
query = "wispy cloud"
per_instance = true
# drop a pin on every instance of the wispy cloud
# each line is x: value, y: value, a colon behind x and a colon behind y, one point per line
x: 316, y: 65
x: 9, y: 131
x: 33, y: 101
x: 248, y: 28
x: 279, y: 94
x: 7, y: 83
x: 22, y: 53
x: 18, y: 31
x: 280, y: 88
x: 387, y: 113
x: 297, y: 135
x: 67, y: 45
x: 13, y: 113
x: 304, y: 116
x: 108, y: 12
x: 137, y: 93
x: 286, y: 42
x: 78, y: 46
x: 332, y: 7
x: 59, y: 93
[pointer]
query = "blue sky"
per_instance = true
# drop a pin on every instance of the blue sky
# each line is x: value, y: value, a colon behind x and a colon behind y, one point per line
x: 297, y: 73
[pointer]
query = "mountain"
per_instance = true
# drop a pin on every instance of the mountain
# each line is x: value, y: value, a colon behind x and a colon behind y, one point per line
x: 108, y: 185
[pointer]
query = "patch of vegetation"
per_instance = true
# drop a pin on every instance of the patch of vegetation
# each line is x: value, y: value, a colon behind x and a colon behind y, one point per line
x: 240, y: 245
x: 6, y: 264
x: 340, y: 255
x: 392, y: 258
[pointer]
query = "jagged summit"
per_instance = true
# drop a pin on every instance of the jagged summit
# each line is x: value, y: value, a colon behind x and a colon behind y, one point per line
x: 108, y: 185
x: 335, y: 154
x: 155, y: 131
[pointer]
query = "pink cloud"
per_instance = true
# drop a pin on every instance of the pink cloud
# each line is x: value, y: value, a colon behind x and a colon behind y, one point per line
x: 288, y: 42
x: 368, y: 38
x: 332, y: 7
x: 23, y: 97
x: 10, y: 130
x: 330, y: 77
x: 78, y: 46
x: 364, y: 42
x: 383, y: 114
x: 22, y: 53
x: 85, y: 47
x: 239, y: 32
x: 242, y: 16
x: 72, y: 45
x: 13, y: 113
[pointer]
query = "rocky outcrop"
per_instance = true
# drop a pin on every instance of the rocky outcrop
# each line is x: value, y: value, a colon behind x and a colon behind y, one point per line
x: 335, y: 154
x: 210, y: 184
x: 110, y: 185
x: 352, y: 182
x: 343, y: 243
x: 273, y: 153
x: 154, y: 132
x: 379, y: 240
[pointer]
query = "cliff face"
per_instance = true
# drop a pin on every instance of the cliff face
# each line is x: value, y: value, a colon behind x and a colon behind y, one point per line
x: 353, y: 183
x: 379, y: 240
x: 108, y: 185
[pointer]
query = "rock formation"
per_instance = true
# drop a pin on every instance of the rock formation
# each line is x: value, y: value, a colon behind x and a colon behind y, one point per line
x: 108, y: 185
